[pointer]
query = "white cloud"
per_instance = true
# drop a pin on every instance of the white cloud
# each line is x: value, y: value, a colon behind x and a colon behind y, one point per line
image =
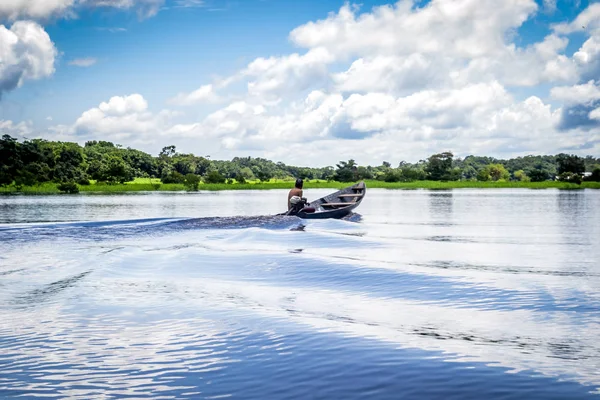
x: 22, y: 129
x: 464, y: 28
x: 269, y: 79
x: 44, y: 9
x: 204, y: 94
x: 35, y: 9
x: 83, y: 62
x: 516, y: 129
x: 276, y: 77
x: 26, y: 53
x: 577, y: 94
x: 549, y: 6
x: 122, y: 117
x: 587, y: 58
x: 190, y: 3
x: 112, y: 30
x: 389, y: 73
x: 595, y: 114
x: 402, y: 48
x: 144, y: 8
x: 588, y: 20
x: 436, y: 109
x: 397, y: 82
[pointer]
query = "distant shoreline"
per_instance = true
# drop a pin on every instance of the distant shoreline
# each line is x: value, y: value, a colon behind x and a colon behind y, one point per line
x: 51, y: 188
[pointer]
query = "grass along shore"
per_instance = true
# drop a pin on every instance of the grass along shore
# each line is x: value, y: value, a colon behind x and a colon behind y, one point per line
x: 152, y: 185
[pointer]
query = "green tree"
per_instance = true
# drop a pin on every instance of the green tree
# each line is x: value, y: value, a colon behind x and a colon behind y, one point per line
x: 595, y: 177
x: 173, y: 177
x: 493, y: 172
x: 439, y: 166
x: 570, y: 163
x: 68, y: 187
x: 10, y: 161
x: 168, y: 151
x: 364, y: 173
x: 214, y: 177
x: 411, y: 173
x: 538, y: 174
x: 327, y: 173
x: 346, y: 171
x: 240, y: 178
x: 115, y: 170
x: 469, y: 172
x: 264, y: 174
x: 520, y: 175
x: 393, y: 175
x: 192, y: 182
x: 571, y: 177
x: 70, y: 162
x: 247, y: 174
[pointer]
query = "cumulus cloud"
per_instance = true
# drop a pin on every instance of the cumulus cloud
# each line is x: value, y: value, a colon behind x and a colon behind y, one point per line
x: 204, y: 94
x: 21, y: 129
x: 26, y: 53
x: 275, y: 77
x: 480, y: 117
x: 444, y: 40
x: 438, y: 73
x: 464, y: 28
x: 122, y: 117
x: 403, y: 48
x: 517, y: 129
x: 144, y: 8
x: 34, y: 9
x: 83, y: 62
x: 389, y: 73
x: 577, y: 94
x: 587, y: 58
x: 587, y: 20
x: 582, y: 99
x: 395, y: 82
x: 44, y: 9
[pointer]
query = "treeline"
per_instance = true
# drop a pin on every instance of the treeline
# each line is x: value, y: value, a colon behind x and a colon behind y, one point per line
x: 37, y: 161
x: 444, y: 167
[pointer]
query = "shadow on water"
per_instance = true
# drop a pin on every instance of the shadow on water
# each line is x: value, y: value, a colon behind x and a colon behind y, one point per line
x: 441, y: 205
x: 574, y: 217
x: 44, y: 294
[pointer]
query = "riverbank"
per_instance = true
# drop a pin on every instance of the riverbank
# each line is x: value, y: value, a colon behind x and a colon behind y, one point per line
x: 154, y: 185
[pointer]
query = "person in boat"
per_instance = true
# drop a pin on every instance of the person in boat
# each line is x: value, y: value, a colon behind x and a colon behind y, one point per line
x: 295, y: 194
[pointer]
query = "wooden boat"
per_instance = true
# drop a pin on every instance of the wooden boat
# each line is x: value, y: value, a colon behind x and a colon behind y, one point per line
x: 335, y: 205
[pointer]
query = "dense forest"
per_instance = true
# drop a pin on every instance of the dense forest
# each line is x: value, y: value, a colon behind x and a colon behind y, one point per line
x: 32, y: 162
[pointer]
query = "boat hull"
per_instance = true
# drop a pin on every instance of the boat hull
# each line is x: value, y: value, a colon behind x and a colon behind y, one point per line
x: 337, y: 214
x: 334, y: 205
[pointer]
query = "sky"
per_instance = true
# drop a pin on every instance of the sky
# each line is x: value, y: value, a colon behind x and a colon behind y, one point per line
x: 307, y: 82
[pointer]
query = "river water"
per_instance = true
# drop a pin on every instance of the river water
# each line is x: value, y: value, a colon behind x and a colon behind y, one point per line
x: 462, y: 294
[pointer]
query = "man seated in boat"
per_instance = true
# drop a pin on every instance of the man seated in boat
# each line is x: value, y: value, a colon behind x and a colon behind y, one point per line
x: 295, y: 193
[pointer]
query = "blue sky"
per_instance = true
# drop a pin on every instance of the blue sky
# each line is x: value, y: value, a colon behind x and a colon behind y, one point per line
x: 307, y: 82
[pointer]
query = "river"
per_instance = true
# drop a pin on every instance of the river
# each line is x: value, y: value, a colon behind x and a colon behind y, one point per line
x: 461, y: 294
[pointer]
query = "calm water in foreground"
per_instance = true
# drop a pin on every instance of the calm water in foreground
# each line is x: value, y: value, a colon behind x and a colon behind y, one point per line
x: 464, y: 294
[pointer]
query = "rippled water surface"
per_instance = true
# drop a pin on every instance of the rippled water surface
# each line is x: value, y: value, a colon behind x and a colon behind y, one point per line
x: 463, y: 294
